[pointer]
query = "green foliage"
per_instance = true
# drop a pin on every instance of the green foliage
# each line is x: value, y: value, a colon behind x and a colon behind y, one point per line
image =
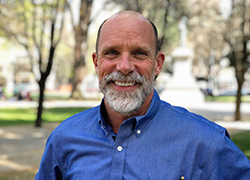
x: 14, y: 116
x: 33, y: 20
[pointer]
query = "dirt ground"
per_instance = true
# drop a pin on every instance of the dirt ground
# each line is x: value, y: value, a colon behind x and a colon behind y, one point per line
x: 21, y: 150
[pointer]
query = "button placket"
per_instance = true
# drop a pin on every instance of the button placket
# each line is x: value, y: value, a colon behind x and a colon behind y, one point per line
x: 119, y: 151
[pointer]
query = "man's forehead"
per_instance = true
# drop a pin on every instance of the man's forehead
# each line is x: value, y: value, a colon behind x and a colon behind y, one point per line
x: 130, y: 45
x: 126, y: 17
x: 126, y: 22
x: 130, y: 39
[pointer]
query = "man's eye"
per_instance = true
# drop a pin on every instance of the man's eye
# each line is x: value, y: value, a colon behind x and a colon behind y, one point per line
x: 112, y: 52
x: 140, y: 53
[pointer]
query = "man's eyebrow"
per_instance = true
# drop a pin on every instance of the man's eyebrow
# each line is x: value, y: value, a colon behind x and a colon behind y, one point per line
x: 108, y: 48
x: 144, y: 49
x: 141, y: 49
x: 132, y: 48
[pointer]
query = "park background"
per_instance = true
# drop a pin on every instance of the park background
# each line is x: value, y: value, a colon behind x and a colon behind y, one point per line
x: 47, y: 75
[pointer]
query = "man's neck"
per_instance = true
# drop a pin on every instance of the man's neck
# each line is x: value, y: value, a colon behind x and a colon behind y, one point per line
x: 115, y: 119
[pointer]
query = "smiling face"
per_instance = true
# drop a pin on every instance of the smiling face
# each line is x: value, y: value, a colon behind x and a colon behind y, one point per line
x: 126, y: 62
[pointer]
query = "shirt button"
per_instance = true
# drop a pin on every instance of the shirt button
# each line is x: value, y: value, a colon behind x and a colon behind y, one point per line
x: 119, y: 148
x: 138, y: 131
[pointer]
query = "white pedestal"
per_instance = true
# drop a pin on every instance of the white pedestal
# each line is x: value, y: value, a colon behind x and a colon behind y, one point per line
x: 182, y: 89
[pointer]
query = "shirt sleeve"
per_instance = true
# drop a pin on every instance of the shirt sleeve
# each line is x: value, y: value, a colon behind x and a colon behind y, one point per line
x: 49, y: 166
x: 227, y: 161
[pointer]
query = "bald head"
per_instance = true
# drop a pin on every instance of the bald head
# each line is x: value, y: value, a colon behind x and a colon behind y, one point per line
x: 125, y: 17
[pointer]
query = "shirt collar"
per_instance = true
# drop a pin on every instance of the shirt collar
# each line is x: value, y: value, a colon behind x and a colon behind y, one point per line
x: 151, y: 112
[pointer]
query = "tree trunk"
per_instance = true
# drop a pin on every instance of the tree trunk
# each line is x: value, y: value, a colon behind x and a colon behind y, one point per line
x: 81, y: 32
x: 238, y: 99
x: 79, y: 63
x: 41, y: 83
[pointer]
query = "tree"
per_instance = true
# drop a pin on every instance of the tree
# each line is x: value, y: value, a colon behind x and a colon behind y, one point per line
x: 211, y: 34
x: 80, y: 33
x: 206, y: 31
x: 237, y: 35
x: 39, y: 31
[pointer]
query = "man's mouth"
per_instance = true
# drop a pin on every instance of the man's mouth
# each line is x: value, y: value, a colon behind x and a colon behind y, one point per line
x: 124, y: 84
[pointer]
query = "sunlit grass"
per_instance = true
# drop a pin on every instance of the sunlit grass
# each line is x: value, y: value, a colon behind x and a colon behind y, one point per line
x: 28, y: 116
x: 226, y: 98
x: 246, y: 98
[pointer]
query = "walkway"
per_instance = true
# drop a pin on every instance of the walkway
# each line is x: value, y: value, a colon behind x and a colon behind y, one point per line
x: 21, y: 149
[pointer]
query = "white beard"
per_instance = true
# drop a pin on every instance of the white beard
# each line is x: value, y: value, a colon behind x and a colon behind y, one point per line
x: 126, y: 103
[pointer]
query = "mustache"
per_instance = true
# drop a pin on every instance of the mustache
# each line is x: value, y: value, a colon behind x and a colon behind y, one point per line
x: 119, y: 76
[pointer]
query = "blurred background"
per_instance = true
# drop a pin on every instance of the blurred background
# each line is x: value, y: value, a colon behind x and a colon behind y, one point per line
x: 46, y: 48
x: 46, y: 64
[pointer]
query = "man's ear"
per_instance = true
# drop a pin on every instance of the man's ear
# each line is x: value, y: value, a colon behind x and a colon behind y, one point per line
x: 159, y: 63
x: 94, y: 58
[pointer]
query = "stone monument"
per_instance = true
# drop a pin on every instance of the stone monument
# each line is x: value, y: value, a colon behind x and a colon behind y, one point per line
x: 182, y: 89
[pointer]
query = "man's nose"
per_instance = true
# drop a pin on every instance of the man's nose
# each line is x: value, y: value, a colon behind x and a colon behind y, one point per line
x: 125, y: 65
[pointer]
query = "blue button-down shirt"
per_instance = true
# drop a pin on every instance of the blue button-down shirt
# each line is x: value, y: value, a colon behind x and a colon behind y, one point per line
x: 167, y: 143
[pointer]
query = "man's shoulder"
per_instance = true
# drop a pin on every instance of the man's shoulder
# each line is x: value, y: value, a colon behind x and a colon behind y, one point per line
x: 190, y: 120
x: 79, y: 121
x: 83, y: 115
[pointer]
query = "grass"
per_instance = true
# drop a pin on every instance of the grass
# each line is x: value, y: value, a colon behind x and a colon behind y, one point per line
x: 14, y: 116
x: 226, y: 98
x: 242, y: 141
x: 51, y: 95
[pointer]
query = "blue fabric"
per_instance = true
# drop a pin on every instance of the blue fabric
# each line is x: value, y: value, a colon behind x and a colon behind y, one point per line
x: 166, y: 143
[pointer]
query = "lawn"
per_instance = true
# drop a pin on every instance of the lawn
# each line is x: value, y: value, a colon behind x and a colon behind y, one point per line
x: 242, y: 141
x: 14, y: 116
x: 227, y: 98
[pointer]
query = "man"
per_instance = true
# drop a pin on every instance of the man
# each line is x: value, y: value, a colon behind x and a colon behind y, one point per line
x: 133, y: 134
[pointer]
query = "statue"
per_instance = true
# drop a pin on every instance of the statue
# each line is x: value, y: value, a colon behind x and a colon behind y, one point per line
x: 183, y: 31
x: 181, y: 88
